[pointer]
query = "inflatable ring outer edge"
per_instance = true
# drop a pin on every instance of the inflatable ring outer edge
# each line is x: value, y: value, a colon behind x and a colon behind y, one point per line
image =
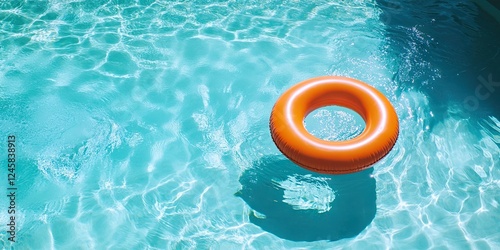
x: 294, y: 154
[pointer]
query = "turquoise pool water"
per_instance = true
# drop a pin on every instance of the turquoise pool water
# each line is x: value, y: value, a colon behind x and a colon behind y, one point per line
x: 144, y: 125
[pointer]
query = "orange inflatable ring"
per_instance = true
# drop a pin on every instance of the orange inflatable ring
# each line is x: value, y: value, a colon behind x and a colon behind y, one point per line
x: 334, y: 157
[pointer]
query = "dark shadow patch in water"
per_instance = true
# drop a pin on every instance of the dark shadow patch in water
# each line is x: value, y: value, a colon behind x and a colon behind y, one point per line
x: 457, y: 42
x: 352, y: 210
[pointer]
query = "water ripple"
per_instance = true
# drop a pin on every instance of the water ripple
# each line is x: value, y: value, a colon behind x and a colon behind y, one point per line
x: 137, y: 118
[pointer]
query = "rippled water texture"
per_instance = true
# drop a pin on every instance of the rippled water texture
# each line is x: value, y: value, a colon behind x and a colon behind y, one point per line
x: 144, y: 125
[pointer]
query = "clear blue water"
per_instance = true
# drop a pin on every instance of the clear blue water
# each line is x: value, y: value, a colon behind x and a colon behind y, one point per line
x: 144, y: 124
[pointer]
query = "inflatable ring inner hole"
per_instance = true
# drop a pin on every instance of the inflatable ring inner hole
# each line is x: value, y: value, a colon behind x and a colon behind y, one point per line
x: 334, y: 123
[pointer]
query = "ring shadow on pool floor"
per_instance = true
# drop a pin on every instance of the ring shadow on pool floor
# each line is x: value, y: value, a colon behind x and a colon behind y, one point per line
x: 352, y: 210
